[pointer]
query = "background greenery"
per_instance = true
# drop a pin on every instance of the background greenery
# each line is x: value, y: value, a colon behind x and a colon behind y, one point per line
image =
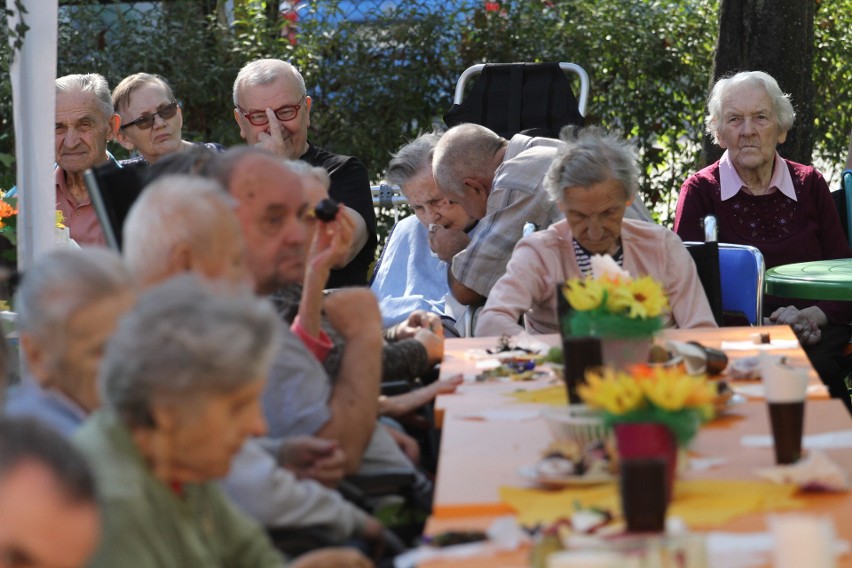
x: 380, y: 75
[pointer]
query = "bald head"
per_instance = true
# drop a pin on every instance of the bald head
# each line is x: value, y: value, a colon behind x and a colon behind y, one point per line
x: 465, y: 160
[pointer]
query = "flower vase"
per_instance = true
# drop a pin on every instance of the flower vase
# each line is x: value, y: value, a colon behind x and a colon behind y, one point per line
x: 641, y: 440
x: 621, y: 353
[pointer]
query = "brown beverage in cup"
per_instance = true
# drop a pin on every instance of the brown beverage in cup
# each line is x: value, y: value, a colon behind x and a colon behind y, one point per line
x: 787, y: 419
x: 579, y: 355
x: 644, y: 499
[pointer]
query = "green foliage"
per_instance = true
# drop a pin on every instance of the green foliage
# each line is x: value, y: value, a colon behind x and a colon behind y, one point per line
x: 377, y: 81
x: 832, y: 81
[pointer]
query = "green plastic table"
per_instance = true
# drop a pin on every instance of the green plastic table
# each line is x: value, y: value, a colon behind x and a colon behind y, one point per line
x: 817, y: 280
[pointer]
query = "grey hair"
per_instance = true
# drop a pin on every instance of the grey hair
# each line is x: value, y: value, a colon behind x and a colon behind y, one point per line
x: 785, y: 115
x: 466, y: 150
x: 264, y: 72
x: 305, y: 170
x: 172, y: 210
x: 185, y: 338
x: 591, y: 155
x: 27, y: 440
x: 88, y: 83
x: 412, y: 158
x: 61, y: 283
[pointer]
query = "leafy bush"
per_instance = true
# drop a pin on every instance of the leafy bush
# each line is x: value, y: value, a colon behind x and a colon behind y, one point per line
x: 380, y: 78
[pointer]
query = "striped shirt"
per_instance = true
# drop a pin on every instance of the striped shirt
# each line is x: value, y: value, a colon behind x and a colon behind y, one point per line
x: 584, y: 258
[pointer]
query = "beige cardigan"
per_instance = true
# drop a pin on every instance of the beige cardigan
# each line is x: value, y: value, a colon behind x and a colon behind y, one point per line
x: 543, y: 259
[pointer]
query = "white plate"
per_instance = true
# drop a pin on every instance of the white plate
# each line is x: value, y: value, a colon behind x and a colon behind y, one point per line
x: 555, y: 481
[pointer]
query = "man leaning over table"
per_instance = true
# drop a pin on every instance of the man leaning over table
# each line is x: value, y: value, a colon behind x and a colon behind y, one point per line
x: 273, y: 111
x: 500, y: 183
x: 85, y: 122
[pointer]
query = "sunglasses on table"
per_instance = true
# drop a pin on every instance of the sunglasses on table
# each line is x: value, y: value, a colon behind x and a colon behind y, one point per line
x: 283, y: 113
x: 147, y: 121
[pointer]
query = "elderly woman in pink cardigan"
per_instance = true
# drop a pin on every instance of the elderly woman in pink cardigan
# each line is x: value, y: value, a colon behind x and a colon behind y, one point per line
x: 593, y: 180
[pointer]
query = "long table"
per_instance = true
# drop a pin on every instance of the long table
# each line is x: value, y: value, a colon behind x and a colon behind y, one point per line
x: 480, y: 456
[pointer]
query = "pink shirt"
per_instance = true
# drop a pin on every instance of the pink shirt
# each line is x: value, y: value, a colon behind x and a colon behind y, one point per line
x: 731, y: 183
x: 80, y: 218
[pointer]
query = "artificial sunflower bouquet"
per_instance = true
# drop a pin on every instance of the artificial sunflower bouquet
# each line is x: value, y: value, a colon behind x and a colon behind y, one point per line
x: 664, y: 395
x: 611, y: 303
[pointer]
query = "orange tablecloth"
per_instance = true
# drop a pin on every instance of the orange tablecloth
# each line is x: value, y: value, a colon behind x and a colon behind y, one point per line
x: 478, y: 457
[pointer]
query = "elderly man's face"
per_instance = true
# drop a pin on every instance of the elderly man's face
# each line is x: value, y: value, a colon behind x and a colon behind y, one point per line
x: 74, y: 372
x: 749, y: 130
x: 271, y: 210
x: 206, y: 432
x: 283, y: 91
x: 595, y: 214
x: 164, y: 137
x: 40, y: 527
x: 82, y: 131
x: 431, y: 206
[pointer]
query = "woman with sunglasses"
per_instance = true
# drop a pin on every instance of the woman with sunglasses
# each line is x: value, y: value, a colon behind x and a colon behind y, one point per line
x: 151, y: 119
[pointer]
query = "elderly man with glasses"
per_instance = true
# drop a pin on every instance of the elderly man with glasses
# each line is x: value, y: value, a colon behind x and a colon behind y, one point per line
x: 272, y: 109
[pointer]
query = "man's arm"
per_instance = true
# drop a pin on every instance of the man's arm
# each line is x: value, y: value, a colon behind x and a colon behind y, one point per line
x: 360, y: 234
x: 354, y: 313
x: 462, y: 293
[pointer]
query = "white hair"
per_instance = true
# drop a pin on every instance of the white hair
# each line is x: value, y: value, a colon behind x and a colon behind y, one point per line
x: 466, y: 150
x: 785, y: 115
x: 264, y: 72
x: 88, y: 83
x: 173, y: 209
x: 184, y: 338
x: 60, y: 284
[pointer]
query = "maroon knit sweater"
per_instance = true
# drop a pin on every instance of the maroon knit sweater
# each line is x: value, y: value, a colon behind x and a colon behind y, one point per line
x: 784, y: 230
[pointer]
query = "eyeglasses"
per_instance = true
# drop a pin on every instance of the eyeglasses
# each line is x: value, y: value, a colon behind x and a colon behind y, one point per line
x: 284, y: 113
x: 147, y: 121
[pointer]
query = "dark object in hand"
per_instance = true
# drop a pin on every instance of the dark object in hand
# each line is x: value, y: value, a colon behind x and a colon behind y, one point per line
x: 451, y: 538
x: 326, y: 210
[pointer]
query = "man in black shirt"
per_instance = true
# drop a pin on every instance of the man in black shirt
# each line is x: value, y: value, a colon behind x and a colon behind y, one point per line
x: 272, y: 109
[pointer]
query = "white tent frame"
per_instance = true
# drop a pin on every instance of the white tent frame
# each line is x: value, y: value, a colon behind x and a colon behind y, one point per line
x: 33, y: 74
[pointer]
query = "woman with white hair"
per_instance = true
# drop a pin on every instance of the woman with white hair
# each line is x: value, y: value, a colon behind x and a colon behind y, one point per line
x: 783, y: 208
x: 593, y: 181
x: 181, y: 382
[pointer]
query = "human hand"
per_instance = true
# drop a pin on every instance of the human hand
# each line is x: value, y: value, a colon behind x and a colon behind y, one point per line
x: 353, y: 312
x: 313, y: 458
x: 406, y: 443
x: 447, y: 243
x: 332, y: 242
x: 277, y: 140
x: 332, y: 558
x: 417, y: 320
x: 433, y: 343
x: 805, y: 323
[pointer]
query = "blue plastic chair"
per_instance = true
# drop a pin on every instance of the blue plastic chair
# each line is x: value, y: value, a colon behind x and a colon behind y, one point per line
x: 740, y: 279
x: 741, y: 269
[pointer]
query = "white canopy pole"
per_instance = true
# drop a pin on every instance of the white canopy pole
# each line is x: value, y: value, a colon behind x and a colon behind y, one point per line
x: 33, y: 75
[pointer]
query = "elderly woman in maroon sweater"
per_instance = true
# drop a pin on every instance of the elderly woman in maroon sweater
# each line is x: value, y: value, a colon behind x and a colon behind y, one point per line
x: 781, y: 207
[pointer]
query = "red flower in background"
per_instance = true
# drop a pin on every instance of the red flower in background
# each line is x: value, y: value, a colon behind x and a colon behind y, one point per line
x: 492, y: 6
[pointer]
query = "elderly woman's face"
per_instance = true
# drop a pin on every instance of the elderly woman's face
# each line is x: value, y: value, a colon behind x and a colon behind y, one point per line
x: 595, y: 214
x: 748, y: 129
x: 164, y: 137
x: 205, y: 434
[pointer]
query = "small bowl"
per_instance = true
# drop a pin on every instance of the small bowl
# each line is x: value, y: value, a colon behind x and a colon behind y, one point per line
x: 577, y: 423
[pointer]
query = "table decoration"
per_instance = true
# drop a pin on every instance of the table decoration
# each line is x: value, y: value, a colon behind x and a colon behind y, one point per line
x: 623, y: 311
x: 652, y: 410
